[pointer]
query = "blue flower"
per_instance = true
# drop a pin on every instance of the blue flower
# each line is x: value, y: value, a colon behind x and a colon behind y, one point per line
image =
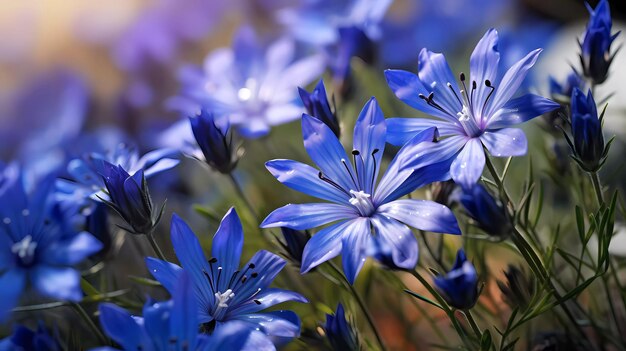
x: 318, y: 22
x: 253, y: 88
x: 596, y: 54
x: 476, y: 116
x: 340, y: 333
x: 215, y: 142
x: 130, y: 198
x: 86, y: 181
x: 26, y: 339
x: 317, y: 105
x: 223, y: 292
x: 489, y: 214
x: 37, y: 245
x: 563, y: 90
x: 358, y: 204
x: 587, y: 141
x: 460, y: 286
x: 170, y: 325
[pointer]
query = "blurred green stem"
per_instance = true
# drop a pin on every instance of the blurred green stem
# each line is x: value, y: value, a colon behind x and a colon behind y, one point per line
x: 361, y: 304
x: 597, y: 187
x: 155, y: 246
x: 444, y: 306
x: 243, y: 197
x: 94, y: 328
x: 472, y: 322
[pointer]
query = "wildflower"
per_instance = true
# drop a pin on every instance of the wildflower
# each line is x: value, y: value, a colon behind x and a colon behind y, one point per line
x: 38, y: 246
x: 130, y: 198
x: 340, y: 334
x: 562, y: 91
x: 295, y: 241
x: 317, y: 105
x: 170, y: 325
x: 215, y: 142
x: 476, y: 116
x: 596, y: 54
x: 358, y: 204
x: 490, y: 215
x: 252, y: 88
x: 223, y: 292
x: 24, y: 338
x: 587, y: 141
x: 460, y: 286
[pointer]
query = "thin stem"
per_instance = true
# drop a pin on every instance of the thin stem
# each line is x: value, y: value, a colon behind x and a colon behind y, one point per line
x: 94, y: 328
x: 155, y: 246
x: 473, y: 324
x: 361, y: 304
x: 444, y: 306
x: 243, y: 197
x: 597, y: 187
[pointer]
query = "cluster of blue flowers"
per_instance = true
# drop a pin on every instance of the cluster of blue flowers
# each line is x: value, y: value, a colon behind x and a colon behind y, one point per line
x: 54, y: 223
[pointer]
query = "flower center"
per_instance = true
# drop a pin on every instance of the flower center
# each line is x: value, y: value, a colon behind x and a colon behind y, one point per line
x: 362, y: 201
x: 25, y: 250
x: 223, y: 298
x: 469, y: 123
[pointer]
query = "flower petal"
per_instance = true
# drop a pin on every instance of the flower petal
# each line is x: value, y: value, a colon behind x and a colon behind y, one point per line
x: 61, y: 283
x: 484, y: 65
x: 407, y: 87
x: 505, y: 142
x: 521, y: 109
x: 354, y: 247
x: 120, y: 326
x: 468, y: 165
x: 267, y: 265
x: 402, y: 130
x: 511, y: 81
x: 369, y: 140
x: 12, y: 283
x: 306, y: 216
x: 305, y: 179
x: 267, y: 298
x: 192, y: 259
x: 282, y: 324
x: 183, y: 320
x: 423, y: 215
x: 228, y: 243
x: 323, y: 246
x: 435, y: 74
x: 165, y: 272
x: 397, y: 238
x: 72, y: 250
x: 326, y: 151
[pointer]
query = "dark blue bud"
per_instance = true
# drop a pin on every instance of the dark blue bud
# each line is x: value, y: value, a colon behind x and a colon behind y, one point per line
x: 518, y: 288
x: 353, y: 42
x: 587, y: 139
x: 316, y: 104
x: 96, y: 223
x: 26, y: 339
x: 130, y: 198
x: 460, y: 286
x: 340, y: 333
x: 490, y: 215
x: 215, y: 142
x: 295, y: 241
x: 596, y: 54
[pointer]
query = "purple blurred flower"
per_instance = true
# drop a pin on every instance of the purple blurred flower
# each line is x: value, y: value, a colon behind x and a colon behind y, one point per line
x: 251, y: 87
x: 476, y: 116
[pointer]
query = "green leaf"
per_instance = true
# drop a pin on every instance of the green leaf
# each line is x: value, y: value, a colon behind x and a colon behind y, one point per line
x: 485, y: 341
x: 144, y: 281
x: 416, y: 295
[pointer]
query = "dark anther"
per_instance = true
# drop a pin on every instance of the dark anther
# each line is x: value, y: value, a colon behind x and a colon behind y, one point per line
x: 243, y: 279
x: 257, y: 302
x: 462, y: 76
x: 254, y: 275
x: 473, y: 84
x: 213, y: 260
x: 251, y: 265
x: 374, y: 152
x: 356, y: 152
x: 488, y: 83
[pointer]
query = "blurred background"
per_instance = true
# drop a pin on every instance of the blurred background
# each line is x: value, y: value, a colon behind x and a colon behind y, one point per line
x: 82, y: 75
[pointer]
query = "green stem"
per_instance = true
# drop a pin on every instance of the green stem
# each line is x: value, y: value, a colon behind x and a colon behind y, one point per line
x: 473, y: 324
x: 155, y: 246
x: 94, y: 328
x: 444, y: 306
x: 243, y: 197
x: 597, y: 187
x: 361, y: 304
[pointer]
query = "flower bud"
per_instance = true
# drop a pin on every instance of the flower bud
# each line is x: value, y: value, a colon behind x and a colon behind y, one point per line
x: 518, y: 288
x: 587, y: 141
x: 316, y: 104
x: 596, y: 54
x: 215, y: 142
x: 130, y: 198
x: 295, y: 241
x: 490, y: 215
x: 460, y: 286
x: 340, y: 334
